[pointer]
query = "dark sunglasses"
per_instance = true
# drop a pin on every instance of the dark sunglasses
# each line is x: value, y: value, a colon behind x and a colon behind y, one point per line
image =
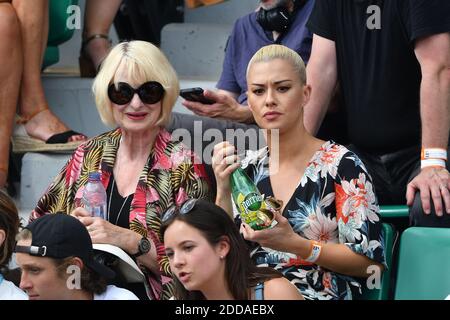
x: 185, y: 208
x: 150, y: 92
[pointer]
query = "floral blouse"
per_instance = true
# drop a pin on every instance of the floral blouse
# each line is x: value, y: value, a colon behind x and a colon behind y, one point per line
x: 171, y: 175
x: 333, y: 202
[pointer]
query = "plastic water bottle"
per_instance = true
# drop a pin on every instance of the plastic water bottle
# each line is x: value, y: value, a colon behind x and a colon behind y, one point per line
x: 94, y: 196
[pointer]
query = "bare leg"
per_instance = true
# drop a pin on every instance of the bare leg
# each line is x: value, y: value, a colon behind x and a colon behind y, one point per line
x: 98, y: 18
x: 10, y: 74
x: 33, y: 17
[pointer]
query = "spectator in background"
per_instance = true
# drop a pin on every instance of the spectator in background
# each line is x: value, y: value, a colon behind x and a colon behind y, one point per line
x: 57, y: 260
x: 392, y: 60
x: 276, y: 21
x: 9, y: 227
x: 24, y: 26
x: 211, y: 261
x: 98, y: 18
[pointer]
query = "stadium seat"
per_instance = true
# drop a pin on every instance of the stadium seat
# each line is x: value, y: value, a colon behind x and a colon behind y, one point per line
x: 394, y: 211
x: 383, y: 292
x: 58, y: 32
x: 424, y: 264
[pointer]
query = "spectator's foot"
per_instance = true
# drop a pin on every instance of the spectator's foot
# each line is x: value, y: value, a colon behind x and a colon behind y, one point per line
x: 43, y: 125
x: 44, y: 132
x: 93, y: 50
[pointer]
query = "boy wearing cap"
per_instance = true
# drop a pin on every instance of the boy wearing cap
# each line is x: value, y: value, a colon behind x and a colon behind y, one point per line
x: 56, y: 257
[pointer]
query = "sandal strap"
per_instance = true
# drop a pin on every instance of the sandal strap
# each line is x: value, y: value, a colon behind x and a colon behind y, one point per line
x: 62, y: 137
x: 23, y: 119
x: 95, y: 36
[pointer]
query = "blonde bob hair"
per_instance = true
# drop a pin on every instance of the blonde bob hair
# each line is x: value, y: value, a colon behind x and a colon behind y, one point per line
x: 142, y: 62
x: 277, y: 51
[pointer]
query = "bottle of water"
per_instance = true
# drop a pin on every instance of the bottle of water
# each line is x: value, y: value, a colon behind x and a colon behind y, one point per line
x: 253, y: 208
x: 94, y: 196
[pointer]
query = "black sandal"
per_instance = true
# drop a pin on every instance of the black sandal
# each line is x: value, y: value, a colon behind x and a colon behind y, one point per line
x: 63, y: 137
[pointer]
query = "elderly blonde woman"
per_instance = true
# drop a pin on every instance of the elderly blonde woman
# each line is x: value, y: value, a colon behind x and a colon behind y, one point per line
x: 143, y: 171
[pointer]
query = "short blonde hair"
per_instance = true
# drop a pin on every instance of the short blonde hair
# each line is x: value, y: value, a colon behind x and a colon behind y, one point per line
x: 143, y: 62
x: 277, y: 51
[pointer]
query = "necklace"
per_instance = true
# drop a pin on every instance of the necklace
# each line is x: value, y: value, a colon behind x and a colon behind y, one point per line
x: 109, y: 204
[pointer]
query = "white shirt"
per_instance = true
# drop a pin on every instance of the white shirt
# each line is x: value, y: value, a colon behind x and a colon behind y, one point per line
x: 114, y: 293
x: 8, y: 291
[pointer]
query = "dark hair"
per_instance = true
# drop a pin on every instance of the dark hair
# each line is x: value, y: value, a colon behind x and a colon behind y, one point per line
x: 10, y: 223
x: 240, y: 272
x: 90, y: 281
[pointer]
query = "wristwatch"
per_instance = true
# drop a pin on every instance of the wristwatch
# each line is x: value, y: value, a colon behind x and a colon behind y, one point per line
x: 144, y: 246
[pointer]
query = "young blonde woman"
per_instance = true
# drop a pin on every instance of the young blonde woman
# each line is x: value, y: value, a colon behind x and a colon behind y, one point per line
x: 328, y: 232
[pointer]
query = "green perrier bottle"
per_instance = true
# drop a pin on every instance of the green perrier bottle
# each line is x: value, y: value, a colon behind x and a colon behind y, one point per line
x: 249, y: 202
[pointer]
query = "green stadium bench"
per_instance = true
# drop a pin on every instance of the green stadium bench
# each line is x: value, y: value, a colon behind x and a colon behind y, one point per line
x: 394, y: 211
x: 58, y: 32
x: 424, y: 264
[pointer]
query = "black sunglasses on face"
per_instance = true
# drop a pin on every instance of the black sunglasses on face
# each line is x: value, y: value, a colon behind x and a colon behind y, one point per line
x: 150, y: 92
x: 187, y: 206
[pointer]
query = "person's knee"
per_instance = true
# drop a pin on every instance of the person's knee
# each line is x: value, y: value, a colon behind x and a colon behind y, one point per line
x: 418, y: 218
x: 9, y: 23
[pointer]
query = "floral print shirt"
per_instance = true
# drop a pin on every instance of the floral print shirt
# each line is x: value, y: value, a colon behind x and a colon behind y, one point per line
x: 334, y: 202
x: 171, y: 175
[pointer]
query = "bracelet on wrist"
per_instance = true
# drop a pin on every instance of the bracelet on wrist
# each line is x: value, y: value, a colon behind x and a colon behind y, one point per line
x: 316, y: 249
x: 435, y: 163
x: 433, y: 153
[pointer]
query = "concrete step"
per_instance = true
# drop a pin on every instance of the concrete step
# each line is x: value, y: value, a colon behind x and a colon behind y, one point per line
x: 71, y: 99
x: 226, y: 12
x: 196, y: 50
x: 38, y: 171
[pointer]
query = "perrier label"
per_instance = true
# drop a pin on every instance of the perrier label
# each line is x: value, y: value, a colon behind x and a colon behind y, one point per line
x: 249, y: 201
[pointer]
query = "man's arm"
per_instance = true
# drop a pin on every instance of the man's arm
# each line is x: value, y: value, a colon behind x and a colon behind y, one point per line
x: 433, y: 53
x: 321, y: 74
x: 226, y: 107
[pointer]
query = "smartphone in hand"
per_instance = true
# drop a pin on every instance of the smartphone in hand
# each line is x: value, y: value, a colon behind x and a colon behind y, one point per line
x: 196, y: 95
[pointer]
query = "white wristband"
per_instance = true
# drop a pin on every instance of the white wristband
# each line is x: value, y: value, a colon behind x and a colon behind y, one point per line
x: 432, y: 163
x: 434, y: 153
x: 315, y: 252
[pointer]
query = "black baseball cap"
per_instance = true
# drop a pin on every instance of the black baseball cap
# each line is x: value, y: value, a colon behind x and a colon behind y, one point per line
x: 61, y: 236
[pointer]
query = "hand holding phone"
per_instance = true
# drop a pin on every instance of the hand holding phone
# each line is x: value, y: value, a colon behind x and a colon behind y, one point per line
x: 196, y: 95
